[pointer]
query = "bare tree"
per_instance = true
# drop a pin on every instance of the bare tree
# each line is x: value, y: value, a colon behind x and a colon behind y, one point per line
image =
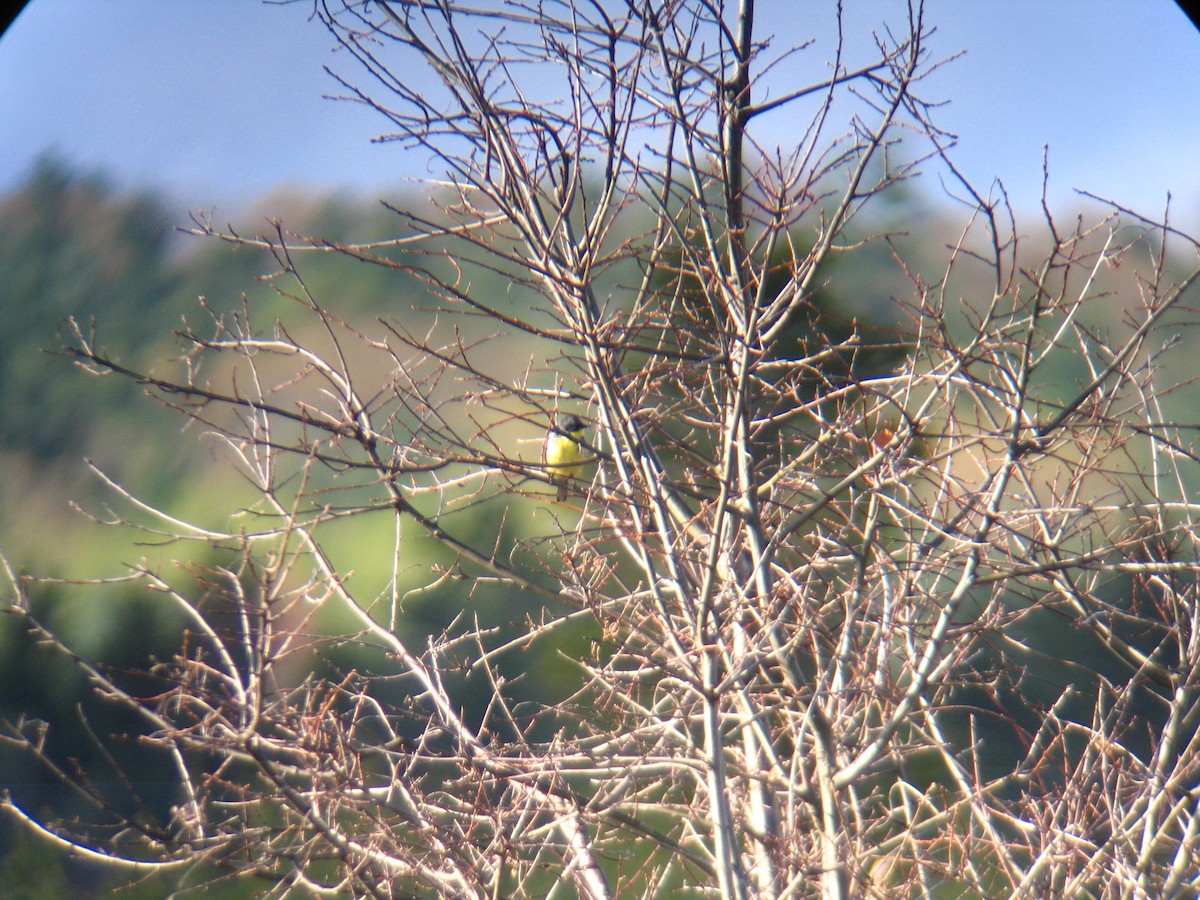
x: 862, y: 630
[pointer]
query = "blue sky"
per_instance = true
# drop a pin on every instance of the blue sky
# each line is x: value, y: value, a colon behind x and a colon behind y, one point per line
x: 220, y: 101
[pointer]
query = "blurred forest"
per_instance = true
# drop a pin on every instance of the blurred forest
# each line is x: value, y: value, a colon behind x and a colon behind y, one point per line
x: 73, y: 247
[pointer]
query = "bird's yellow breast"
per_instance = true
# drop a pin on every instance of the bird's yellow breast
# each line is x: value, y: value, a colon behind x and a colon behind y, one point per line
x: 564, y: 454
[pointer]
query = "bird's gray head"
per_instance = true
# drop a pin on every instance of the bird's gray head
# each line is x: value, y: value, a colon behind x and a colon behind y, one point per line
x: 570, y: 424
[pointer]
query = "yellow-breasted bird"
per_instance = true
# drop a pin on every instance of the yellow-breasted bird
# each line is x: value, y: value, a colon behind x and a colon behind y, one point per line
x: 563, y: 451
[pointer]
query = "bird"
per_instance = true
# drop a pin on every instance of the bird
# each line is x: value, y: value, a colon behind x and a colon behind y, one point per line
x: 563, y: 451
